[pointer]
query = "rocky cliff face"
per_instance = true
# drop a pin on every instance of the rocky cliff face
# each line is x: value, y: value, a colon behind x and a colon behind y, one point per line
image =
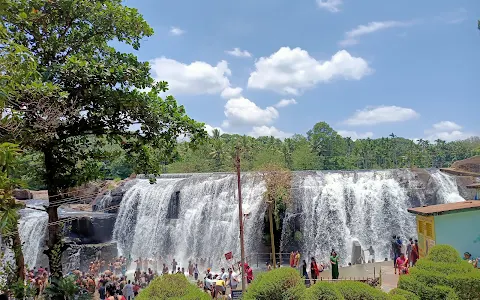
x: 471, y: 164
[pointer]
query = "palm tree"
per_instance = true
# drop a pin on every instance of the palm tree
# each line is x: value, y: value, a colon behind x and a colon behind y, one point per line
x: 218, y: 151
x: 8, y: 207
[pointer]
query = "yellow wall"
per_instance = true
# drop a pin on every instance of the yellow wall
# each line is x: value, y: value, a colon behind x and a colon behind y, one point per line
x: 426, y: 234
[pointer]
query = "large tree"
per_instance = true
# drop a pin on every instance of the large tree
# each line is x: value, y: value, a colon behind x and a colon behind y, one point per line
x: 87, y: 93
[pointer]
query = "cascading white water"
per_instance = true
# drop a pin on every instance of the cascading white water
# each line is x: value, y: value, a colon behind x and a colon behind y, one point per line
x: 32, y: 228
x: 206, y: 225
x: 447, y: 187
x: 338, y: 208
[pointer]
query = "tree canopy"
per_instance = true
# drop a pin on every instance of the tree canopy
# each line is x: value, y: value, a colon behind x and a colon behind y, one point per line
x: 71, y: 94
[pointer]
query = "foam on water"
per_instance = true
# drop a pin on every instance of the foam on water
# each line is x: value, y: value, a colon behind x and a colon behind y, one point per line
x: 338, y: 208
x: 206, y: 225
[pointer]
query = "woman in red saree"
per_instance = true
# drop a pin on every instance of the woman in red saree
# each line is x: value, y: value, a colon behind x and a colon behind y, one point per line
x: 415, y: 254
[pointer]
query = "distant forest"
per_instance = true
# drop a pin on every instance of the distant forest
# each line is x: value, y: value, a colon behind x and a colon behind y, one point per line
x: 322, y: 148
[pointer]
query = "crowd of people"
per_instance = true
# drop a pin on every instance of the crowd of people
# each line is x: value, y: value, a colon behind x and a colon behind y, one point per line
x: 404, y: 257
x: 38, y: 279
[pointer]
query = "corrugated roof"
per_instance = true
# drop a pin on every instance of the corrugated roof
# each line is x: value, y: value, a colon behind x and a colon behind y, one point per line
x: 445, y: 208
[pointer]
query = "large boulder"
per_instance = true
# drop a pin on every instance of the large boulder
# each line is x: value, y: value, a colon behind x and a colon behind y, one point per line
x: 89, y: 227
x: 21, y: 194
x: 80, y: 256
x: 112, y: 197
x: 471, y: 164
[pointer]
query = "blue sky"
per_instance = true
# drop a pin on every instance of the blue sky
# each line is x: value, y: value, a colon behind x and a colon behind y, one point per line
x: 368, y: 68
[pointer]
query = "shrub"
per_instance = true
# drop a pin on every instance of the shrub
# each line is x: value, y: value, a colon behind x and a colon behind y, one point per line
x: 405, y: 294
x: 282, y: 283
x: 445, y: 292
x: 411, y: 284
x: 467, y: 286
x: 445, y: 268
x: 438, y: 292
x: 430, y: 278
x: 444, y: 254
x: 354, y: 290
x: 323, y: 291
x: 172, y: 286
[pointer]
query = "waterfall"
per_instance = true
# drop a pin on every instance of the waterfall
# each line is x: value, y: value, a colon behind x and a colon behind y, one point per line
x: 447, y: 188
x: 190, y: 218
x: 337, y: 208
x: 32, y: 228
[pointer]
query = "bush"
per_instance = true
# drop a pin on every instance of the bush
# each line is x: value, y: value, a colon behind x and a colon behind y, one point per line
x: 323, y: 291
x: 444, y: 254
x: 405, y: 294
x: 411, y: 284
x: 467, y: 286
x: 430, y: 278
x: 172, y: 286
x: 445, y: 268
x: 354, y: 290
x: 282, y: 283
x: 445, y: 292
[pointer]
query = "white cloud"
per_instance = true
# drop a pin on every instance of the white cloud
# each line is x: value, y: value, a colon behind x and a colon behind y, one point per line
x: 381, y: 114
x: 239, y: 53
x: 285, y: 102
x: 352, y: 36
x: 330, y: 5
x: 229, y: 92
x: 176, y: 31
x: 259, y: 131
x: 355, y: 135
x: 209, y: 129
x: 447, y: 131
x: 292, y: 70
x: 446, y: 126
x: 196, y: 78
x: 450, y: 136
x: 242, y: 111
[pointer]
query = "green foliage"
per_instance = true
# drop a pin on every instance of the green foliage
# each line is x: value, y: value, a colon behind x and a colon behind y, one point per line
x: 405, y: 294
x: 281, y: 283
x: 172, y: 286
x: 323, y: 149
x: 65, y: 288
x: 353, y: 290
x: 444, y: 268
x: 298, y: 236
x: 323, y: 291
x: 21, y: 291
x: 442, y: 275
x: 444, y: 254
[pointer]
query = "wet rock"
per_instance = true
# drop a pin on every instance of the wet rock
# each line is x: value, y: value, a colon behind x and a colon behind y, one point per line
x: 357, y: 257
x: 89, y: 227
x: 113, y: 197
x: 21, y: 194
x: 80, y: 256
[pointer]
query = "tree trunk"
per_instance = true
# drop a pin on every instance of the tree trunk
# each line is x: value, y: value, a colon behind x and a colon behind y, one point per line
x: 272, y: 238
x: 19, y: 259
x: 54, y: 243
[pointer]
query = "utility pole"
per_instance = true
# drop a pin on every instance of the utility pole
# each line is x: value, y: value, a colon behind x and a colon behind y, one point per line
x: 240, y: 219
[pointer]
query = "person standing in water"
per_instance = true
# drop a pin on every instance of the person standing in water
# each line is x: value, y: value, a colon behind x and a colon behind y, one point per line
x: 174, y: 266
x: 304, y: 273
x: 195, y: 272
x: 297, y: 259
x: 313, y: 270
x: 334, y: 262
